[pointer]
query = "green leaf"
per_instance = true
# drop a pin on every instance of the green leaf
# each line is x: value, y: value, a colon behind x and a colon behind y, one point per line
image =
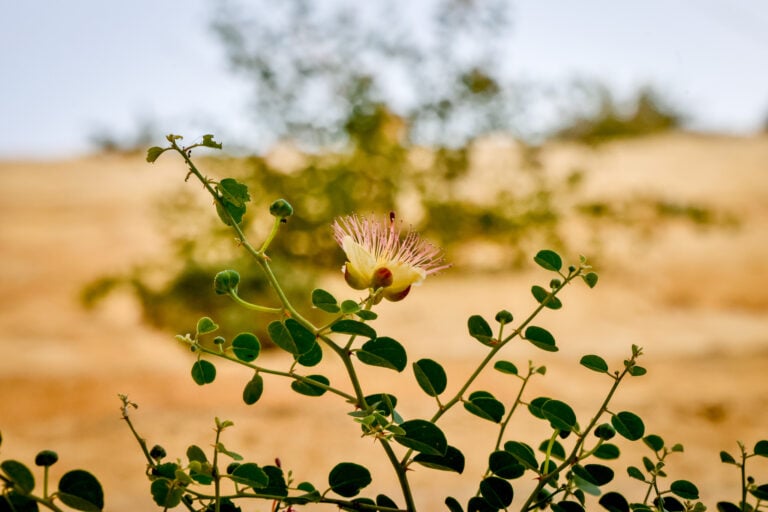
x: 246, y: 347
x: 535, y: 405
x: 541, y: 338
x: 669, y: 504
x: 556, y: 450
x: 423, y: 436
x: 505, y: 465
x: 165, y: 494
x: 226, y: 282
x: 725, y: 506
x: 233, y: 192
x: 353, y: 327
x: 684, y: 489
x: 81, y: 490
x: 366, y: 314
x: 761, y: 448
x: 383, y: 500
x: 276, y: 485
x: 605, y: 431
x: 453, y: 460
x: 308, y: 389
x: 383, y: 402
x: 478, y: 504
x: 291, y: 336
x: 46, y: 458
x: 485, y: 405
x: 505, y: 367
x: 19, y: 474
x: 496, y: 491
x: 347, y: 479
x: 233, y: 455
x: 154, y: 153
x: 590, y: 278
x: 614, y: 502
x: 430, y: 376
x: 205, y: 325
x: 760, y: 492
x: 549, y: 260
x: 250, y: 475
x: 628, y: 425
x: 727, y: 458
x: 384, y: 352
x: 195, y: 453
x: 253, y: 390
x: 594, y: 363
x: 595, y: 474
x: 654, y: 442
x: 453, y: 504
x: 567, y: 506
x: 203, y: 372
x: 480, y: 329
x: 523, y: 453
x: 559, y: 414
x: 607, y: 451
x: 208, y: 142
x: 635, y: 473
x: 311, y: 358
x: 324, y: 301
x: 14, y: 501
x: 229, y: 212
x: 349, y: 307
x: 546, y: 298
x: 165, y: 470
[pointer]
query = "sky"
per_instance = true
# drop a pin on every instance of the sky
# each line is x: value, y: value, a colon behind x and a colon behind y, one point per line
x: 74, y: 70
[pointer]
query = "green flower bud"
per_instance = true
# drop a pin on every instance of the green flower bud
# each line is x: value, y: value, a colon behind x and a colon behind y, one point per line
x: 281, y: 209
x: 219, y: 340
x: 46, y: 458
x: 226, y: 282
x: 504, y: 317
x: 157, y: 452
x: 555, y: 284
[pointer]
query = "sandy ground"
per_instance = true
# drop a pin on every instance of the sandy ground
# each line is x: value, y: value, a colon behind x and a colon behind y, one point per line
x: 696, y: 300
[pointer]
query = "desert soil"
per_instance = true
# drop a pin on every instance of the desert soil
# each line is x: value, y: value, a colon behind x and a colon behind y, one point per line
x: 696, y: 300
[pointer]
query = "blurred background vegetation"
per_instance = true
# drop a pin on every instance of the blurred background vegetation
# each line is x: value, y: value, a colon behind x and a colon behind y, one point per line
x: 379, y: 113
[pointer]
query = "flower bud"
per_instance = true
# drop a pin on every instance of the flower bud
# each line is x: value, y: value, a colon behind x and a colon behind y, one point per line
x: 226, y: 282
x: 555, y: 284
x: 219, y: 340
x: 281, y: 209
x: 46, y: 458
x: 157, y: 452
x: 504, y: 317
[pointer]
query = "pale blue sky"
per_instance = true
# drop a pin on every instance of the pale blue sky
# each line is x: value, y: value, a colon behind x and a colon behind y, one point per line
x: 70, y: 67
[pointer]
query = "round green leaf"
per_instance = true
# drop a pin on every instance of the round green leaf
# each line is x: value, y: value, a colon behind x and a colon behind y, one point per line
x: 303, y: 338
x: 346, y: 479
x: 164, y: 494
x: 590, y: 278
x: 46, y: 458
x: 382, y: 500
x: 246, y: 347
x: 727, y: 458
x: 383, y: 402
x: 503, y: 464
x: 205, y: 325
x: 534, y: 407
x: 541, y: 338
x: 556, y: 450
x: 523, y: 453
x: 594, y: 363
x: 453, y: 460
x: 684, y: 489
x: 311, y: 358
x: 423, y: 436
x: 496, y: 491
x: 669, y: 504
x: 637, y: 371
x: 567, y: 506
x: 195, y: 453
x: 595, y: 474
x: 628, y: 425
x: 654, y: 442
x: 277, y: 485
x: 81, y: 490
x: 559, y: 414
x: 349, y: 307
x: 479, y: 329
x: 253, y: 390
x: 614, y: 502
x: 430, y: 376
x: 353, y: 327
x: 309, y: 389
x: 505, y: 367
x: 250, y: 475
x: 478, y: 504
x: 19, y: 474
x: 453, y: 504
x: 760, y: 492
x: 761, y: 448
x: 549, y: 260
x: 544, y: 297
x: 323, y: 300
x: 635, y: 473
x: 605, y: 431
x: 203, y: 372
x: 385, y: 352
x: 725, y: 506
x: 13, y: 501
x: 484, y: 405
x: 607, y: 451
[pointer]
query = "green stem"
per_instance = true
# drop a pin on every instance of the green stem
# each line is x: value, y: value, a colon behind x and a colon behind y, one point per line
x: 254, y: 307
x: 744, y: 507
x: 216, y: 476
x: 271, y: 236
